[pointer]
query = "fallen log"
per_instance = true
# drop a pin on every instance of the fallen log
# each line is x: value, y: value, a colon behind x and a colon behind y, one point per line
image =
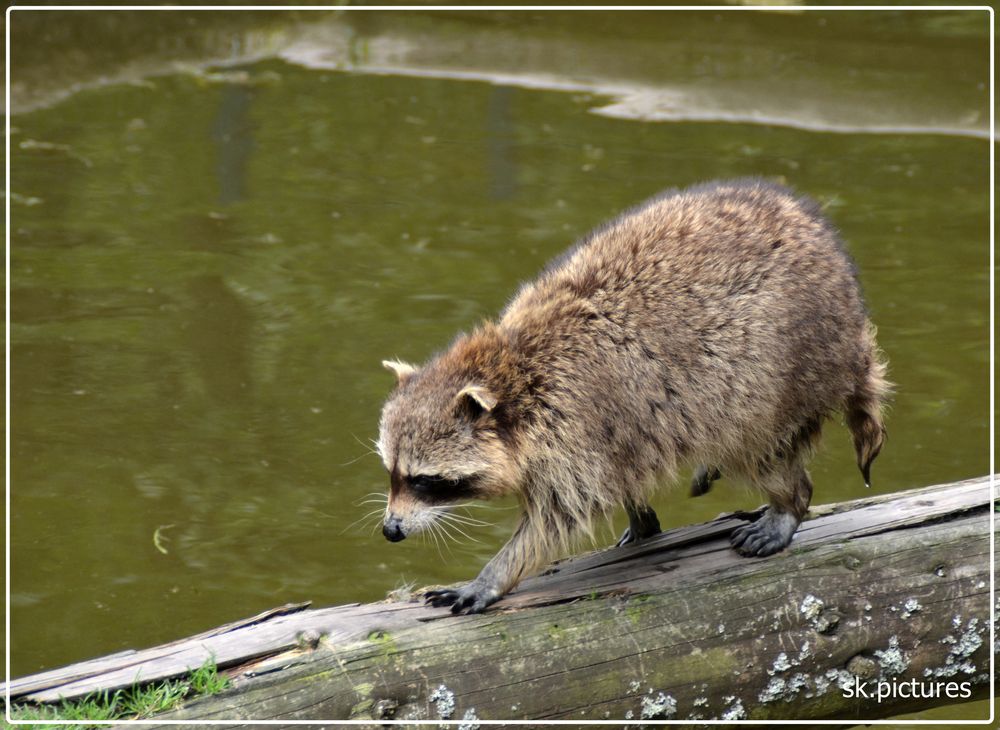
x: 889, y: 594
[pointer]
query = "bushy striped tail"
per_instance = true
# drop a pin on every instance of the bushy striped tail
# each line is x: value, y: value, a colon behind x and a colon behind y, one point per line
x: 863, y: 409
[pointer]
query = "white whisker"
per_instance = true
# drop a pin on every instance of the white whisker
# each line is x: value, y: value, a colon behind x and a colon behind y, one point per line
x: 437, y: 543
x: 470, y: 521
x: 371, y: 498
x: 481, y: 505
x: 446, y: 520
x: 363, y: 518
x: 355, y: 460
x: 458, y: 529
x: 448, y: 539
x: 443, y: 530
x: 369, y: 448
x: 463, y: 518
x: 368, y: 451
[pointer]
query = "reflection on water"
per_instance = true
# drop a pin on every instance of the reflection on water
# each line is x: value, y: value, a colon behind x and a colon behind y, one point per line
x: 211, y: 271
x: 233, y: 137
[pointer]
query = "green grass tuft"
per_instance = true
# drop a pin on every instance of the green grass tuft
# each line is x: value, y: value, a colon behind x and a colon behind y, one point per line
x: 206, y: 680
x: 135, y: 703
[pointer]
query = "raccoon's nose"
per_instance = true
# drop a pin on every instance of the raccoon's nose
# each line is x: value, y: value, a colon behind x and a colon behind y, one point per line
x: 392, y: 528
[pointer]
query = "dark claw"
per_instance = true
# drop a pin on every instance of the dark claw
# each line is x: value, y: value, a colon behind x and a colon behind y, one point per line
x: 626, y: 538
x: 467, y: 600
x: 441, y: 597
x: 739, y: 536
x: 750, y: 539
x: 766, y: 536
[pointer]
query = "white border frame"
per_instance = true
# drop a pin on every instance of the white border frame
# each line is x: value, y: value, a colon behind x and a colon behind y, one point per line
x: 417, y: 8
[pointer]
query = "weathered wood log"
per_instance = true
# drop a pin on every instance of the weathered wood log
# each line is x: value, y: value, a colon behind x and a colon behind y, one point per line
x: 890, y: 594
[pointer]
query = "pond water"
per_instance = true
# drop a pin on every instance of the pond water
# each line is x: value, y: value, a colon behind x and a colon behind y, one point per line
x: 208, y: 267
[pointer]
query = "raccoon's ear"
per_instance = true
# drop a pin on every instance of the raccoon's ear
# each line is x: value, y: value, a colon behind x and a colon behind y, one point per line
x: 478, y: 398
x: 403, y: 370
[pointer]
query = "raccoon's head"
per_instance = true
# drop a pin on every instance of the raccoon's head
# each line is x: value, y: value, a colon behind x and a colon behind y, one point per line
x: 440, y: 441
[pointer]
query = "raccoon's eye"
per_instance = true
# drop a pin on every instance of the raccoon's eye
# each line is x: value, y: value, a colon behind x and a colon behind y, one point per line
x: 427, y: 483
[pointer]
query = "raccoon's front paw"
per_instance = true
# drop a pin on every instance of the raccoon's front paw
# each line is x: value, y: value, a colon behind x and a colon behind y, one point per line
x: 769, y: 534
x: 470, y: 598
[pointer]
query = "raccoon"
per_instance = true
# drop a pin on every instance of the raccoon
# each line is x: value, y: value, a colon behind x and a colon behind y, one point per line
x: 716, y: 326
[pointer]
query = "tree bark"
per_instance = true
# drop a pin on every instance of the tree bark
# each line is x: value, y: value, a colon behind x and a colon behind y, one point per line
x: 887, y: 594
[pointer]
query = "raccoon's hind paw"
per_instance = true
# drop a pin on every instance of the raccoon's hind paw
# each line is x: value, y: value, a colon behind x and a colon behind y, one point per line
x: 627, y: 538
x: 771, y: 533
x: 470, y: 598
x: 630, y: 536
x: 701, y: 483
x: 642, y: 523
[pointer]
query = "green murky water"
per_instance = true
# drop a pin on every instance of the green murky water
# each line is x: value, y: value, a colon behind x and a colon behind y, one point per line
x: 207, y: 270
